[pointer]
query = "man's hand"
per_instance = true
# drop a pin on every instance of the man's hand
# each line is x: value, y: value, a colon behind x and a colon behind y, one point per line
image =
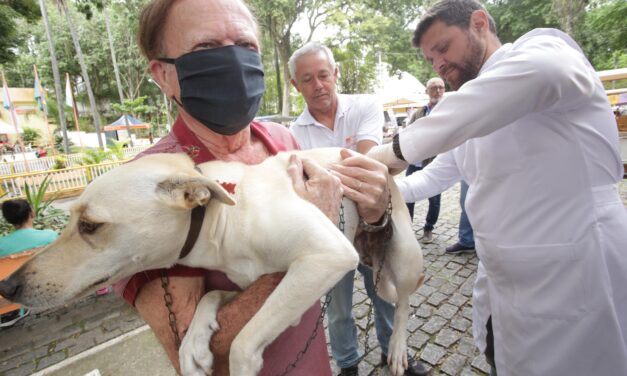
x: 316, y: 185
x: 365, y: 182
x: 235, y: 314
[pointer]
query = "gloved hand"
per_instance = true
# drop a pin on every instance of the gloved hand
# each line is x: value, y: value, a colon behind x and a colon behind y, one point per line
x: 385, y: 155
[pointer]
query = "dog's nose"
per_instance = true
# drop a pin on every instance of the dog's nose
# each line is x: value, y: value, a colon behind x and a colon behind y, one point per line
x: 9, y: 288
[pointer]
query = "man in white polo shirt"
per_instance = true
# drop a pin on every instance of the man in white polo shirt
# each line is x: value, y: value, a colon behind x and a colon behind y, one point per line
x: 353, y: 122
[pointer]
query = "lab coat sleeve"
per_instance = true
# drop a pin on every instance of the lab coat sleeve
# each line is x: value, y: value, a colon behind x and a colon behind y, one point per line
x: 536, y: 74
x: 437, y: 177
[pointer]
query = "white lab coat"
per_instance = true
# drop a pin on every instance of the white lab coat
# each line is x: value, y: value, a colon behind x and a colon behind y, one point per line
x: 535, y: 138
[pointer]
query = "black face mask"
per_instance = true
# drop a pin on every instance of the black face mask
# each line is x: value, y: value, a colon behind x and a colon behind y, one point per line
x: 220, y: 87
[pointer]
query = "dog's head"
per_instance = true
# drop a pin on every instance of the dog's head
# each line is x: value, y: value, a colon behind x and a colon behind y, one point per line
x: 130, y: 219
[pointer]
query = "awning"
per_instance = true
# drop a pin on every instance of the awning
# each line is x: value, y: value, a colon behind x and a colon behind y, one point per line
x: 120, y: 124
x: 8, y: 128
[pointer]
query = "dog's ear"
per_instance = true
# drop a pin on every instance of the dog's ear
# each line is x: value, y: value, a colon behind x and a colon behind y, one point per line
x: 187, y: 192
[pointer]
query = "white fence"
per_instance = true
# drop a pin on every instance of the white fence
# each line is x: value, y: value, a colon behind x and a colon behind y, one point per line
x: 17, y: 165
x: 68, y: 179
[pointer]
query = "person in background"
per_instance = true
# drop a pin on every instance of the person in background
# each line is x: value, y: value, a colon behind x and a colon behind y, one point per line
x: 531, y: 131
x: 353, y: 122
x: 41, y: 152
x: 435, y: 90
x: 217, y: 41
x: 465, y: 236
x: 19, y: 213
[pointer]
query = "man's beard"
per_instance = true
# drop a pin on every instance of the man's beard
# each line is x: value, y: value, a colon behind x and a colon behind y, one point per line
x: 469, y: 70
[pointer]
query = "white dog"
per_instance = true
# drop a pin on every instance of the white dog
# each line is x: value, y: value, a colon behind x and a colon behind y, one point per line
x: 135, y: 217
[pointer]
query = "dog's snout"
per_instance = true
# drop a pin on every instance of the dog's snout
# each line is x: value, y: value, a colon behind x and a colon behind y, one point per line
x: 9, y: 287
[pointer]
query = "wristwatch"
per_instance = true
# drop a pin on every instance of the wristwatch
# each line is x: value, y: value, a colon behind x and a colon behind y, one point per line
x: 383, y: 222
x: 396, y: 147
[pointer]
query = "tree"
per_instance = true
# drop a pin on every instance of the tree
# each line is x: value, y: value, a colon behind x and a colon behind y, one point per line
x: 135, y: 107
x: 515, y: 18
x: 79, y: 53
x: 56, y: 75
x: 602, y: 34
x: 11, y: 14
x: 569, y: 12
x: 277, y: 18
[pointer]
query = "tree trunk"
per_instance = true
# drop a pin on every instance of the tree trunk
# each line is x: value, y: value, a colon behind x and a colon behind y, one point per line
x: 285, y: 51
x: 81, y: 60
x: 117, y: 72
x: 55, y: 74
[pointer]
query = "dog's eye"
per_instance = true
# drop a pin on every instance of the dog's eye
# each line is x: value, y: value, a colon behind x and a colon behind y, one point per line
x: 86, y: 227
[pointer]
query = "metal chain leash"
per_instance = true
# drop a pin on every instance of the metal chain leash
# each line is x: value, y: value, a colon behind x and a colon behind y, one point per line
x: 341, y: 225
x: 167, y: 297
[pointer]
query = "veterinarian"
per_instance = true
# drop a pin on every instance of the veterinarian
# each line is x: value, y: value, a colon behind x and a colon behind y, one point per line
x: 435, y: 90
x: 217, y: 40
x: 353, y: 122
x: 537, y: 142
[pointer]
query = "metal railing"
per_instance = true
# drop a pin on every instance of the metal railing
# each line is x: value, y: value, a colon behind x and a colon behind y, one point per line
x: 64, y: 180
x: 17, y: 166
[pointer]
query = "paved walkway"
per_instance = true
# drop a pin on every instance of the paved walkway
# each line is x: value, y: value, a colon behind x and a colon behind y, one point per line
x: 103, y: 333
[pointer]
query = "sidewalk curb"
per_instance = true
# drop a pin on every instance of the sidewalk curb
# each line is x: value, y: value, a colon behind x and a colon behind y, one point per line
x: 67, y: 362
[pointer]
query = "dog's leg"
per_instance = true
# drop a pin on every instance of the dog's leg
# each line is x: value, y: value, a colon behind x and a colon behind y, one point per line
x: 194, y: 355
x: 307, y: 279
x: 403, y: 267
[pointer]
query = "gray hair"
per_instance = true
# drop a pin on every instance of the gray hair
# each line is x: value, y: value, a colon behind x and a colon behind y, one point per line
x: 452, y: 13
x: 309, y: 48
x: 434, y: 80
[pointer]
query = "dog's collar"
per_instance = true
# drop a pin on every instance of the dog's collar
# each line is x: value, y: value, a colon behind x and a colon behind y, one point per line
x: 198, y: 216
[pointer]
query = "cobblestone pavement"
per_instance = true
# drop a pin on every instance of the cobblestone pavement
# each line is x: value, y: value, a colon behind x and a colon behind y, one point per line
x: 440, y: 332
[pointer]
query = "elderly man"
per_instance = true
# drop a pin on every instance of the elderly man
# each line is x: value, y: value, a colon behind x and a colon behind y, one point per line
x: 353, y: 122
x: 435, y: 90
x: 204, y: 54
x: 534, y: 136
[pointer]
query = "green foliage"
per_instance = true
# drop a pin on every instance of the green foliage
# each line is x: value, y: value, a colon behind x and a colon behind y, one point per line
x: 36, y: 196
x: 603, y: 35
x: 30, y: 136
x: 134, y: 107
x: 515, y: 18
x: 59, y: 163
x: 13, y: 15
x: 58, y: 142
x: 116, y: 148
x: 95, y: 156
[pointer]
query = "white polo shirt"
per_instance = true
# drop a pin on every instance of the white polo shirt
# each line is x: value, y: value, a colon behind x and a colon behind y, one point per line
x: 358, y: 117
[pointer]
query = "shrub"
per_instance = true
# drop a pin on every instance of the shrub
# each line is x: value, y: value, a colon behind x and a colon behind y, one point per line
x: 30, y: 136
x: 59, y: 163
x: 37, y: 197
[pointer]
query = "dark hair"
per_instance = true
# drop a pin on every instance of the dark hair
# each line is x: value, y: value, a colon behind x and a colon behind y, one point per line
x: 16, y: 212
x: 452, y: 13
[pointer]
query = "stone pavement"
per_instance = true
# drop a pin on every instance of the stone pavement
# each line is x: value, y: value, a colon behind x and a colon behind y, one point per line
x: 440, y: 332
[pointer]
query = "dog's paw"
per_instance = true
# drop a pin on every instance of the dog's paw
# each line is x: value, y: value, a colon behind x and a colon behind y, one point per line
x: 397, y: 355
x: 397, y: 363
x: 194, y: 355
x: 244, y: 361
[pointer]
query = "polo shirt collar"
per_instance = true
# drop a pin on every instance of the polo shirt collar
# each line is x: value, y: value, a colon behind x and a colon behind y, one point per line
x: 306, y: 118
